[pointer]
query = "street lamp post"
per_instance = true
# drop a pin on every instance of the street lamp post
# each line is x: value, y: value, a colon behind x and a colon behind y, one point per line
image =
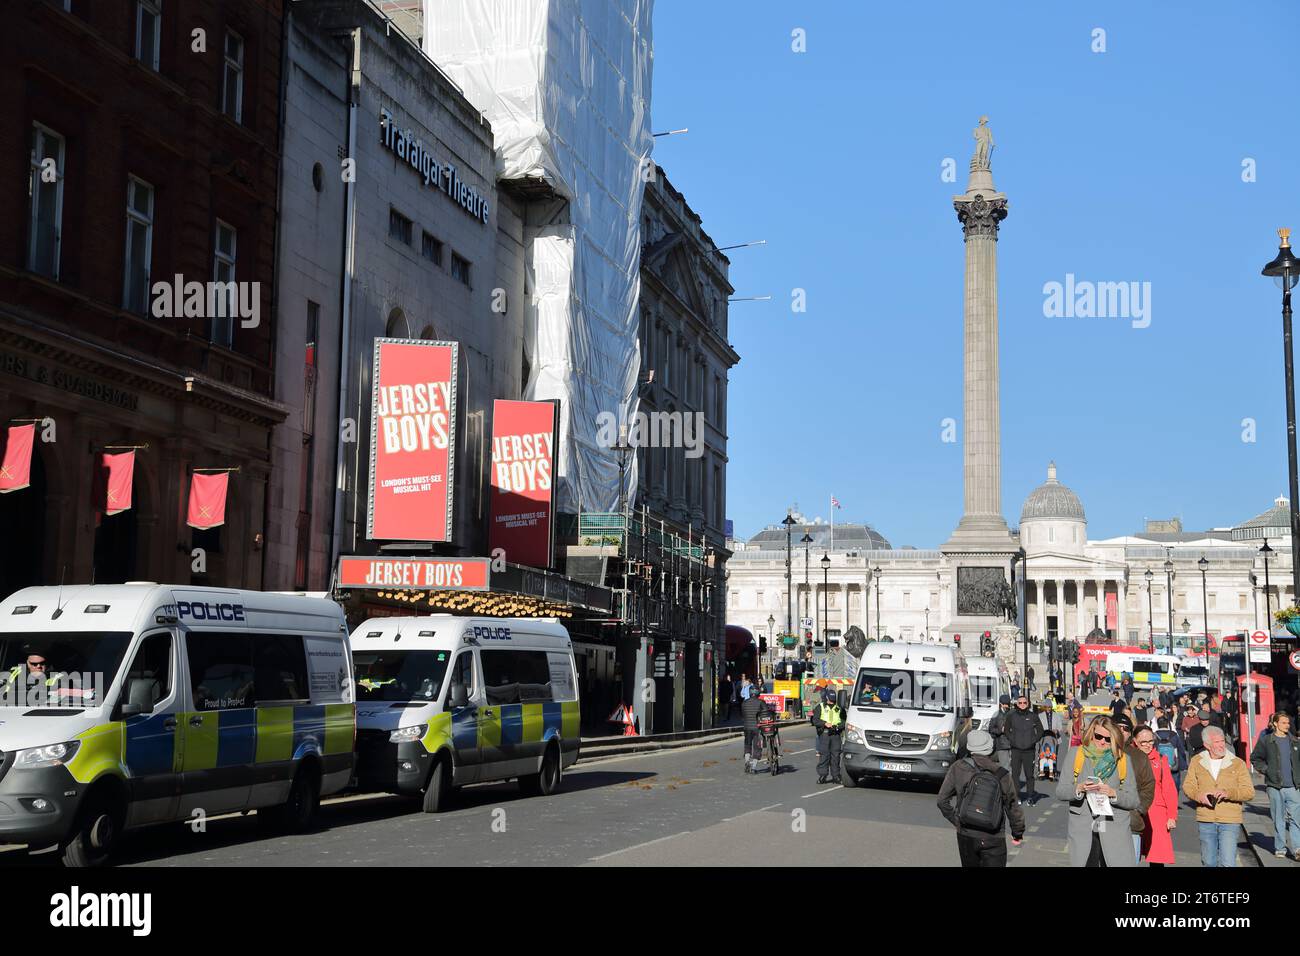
x: 789, y: 523
x: 807, y: 587
x: 927, y: 625
x: 1169, y: 592
x: 866, y: 617
x: 1285, y: 268
x: 826, y: 601
x: 1268, y: 607
x: 1205, y: 602
x: 771, y: 626
x: 877, y: 574
x: 1151, y: 627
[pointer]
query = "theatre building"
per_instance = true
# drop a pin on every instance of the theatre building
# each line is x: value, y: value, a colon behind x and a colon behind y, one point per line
x: 139, y: 143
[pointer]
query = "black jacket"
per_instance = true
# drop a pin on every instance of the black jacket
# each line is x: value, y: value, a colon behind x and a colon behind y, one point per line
x: 751, y: 709
x: 1024, y: 729
x: 997, y: 729
x: 1194, y: 743
x: 1267, y: 759
x: 954, y: 787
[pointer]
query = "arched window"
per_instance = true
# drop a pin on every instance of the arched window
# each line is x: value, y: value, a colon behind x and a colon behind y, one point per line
x: 398, y: 327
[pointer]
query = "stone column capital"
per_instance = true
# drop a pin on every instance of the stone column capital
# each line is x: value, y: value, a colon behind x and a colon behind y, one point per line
x: 979, y: 217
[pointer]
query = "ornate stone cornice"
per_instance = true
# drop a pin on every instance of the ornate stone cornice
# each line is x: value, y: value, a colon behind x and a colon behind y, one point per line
x: 980, y: 216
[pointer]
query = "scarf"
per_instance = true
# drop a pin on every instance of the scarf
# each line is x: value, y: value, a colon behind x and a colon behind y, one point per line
x: 1103, y: 761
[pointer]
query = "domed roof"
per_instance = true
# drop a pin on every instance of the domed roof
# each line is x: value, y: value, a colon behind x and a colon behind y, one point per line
x: 848, y: 537
x: 1052, y: 499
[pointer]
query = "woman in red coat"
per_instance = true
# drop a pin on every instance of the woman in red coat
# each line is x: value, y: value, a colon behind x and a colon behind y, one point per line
x: 1162, y: 817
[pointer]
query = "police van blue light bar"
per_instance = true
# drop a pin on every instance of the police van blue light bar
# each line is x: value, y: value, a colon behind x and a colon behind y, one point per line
x: 24, y: 609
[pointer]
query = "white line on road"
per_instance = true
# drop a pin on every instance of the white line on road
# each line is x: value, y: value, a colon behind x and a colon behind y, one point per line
x: 797, y: 752
x: 605, y: 856
x: 818, y: 793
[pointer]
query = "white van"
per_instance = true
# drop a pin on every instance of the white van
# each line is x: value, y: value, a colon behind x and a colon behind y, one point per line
x: 127, y: 705
x: 909, y: 714
x: 444, y: 701
x: 989, y: 680
x: 1147, y: 670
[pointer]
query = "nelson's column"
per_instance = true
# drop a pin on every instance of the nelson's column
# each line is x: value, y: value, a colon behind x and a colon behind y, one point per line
x: 980, y: 549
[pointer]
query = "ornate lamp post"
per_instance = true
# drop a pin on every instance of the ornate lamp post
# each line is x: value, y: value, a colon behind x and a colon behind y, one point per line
x: 1169, y: 590
x: 866, y: 617
x: 826, y: 598
x: 877, y: 575
x: 771, y: 626
x: 1268, y: 607
x: 806, y: 540
x: 789, y: 523
x: 1285, y: 270
x: 1205, y: 601
x: 1151, y: 629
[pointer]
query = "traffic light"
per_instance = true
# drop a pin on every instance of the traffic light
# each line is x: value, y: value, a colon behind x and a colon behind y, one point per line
x: 1055, y: 651
x: 762, y: 644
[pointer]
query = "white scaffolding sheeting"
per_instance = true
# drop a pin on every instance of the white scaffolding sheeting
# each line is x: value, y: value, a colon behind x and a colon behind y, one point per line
x: 566, y: 87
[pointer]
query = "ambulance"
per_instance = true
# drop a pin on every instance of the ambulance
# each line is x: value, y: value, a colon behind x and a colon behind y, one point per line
x: 444, y: 701
x: 128, y: 705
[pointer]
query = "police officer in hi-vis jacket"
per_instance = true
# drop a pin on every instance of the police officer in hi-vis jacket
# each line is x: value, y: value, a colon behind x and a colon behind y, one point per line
x: 828, y: 718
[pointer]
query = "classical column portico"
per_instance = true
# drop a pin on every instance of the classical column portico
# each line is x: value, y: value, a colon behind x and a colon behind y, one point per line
x: 1062, y: 622
x: 1041, y: 588
x: 1121, y: 616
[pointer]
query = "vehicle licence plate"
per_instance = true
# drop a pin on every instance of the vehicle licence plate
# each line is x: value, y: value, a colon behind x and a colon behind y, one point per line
x: 897, y: 767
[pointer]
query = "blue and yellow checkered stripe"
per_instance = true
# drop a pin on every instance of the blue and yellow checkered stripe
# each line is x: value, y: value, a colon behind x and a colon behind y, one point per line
x: 514, y: 724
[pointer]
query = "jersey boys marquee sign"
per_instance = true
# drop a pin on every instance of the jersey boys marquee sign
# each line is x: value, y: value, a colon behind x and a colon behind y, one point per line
x: 523, y: 457
x: 437, y: 175
x: 464, y: 574
x: 412, y: 440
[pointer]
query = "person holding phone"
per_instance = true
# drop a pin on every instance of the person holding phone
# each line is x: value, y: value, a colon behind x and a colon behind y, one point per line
x: 1099, y: 785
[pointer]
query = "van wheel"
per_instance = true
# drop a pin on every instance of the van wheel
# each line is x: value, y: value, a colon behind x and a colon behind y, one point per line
x: 98, y: 831
x: 438, y: 793
x: 298, y: 812
x: 547, y: 780
x: 847, y: 779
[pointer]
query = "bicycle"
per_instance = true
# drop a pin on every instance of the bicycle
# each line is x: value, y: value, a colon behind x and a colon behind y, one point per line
x: 770, y: 745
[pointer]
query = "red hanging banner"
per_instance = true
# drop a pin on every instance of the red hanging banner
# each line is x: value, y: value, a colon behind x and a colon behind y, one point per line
x: 116, y: 473
x: 16, y: 462
x: 207, y: 500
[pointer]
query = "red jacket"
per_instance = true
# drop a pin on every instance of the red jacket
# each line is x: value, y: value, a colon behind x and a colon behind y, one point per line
x: 1157, y: 843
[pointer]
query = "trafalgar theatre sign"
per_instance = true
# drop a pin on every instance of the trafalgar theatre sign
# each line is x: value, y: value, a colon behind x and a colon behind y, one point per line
x: 436, y: 175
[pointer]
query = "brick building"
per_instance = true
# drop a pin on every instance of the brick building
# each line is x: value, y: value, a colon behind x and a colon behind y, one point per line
x: 140, y: 142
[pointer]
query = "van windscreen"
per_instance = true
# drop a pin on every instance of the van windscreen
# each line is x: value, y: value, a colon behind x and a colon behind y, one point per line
x: 59, y: 668
x: 400, y: 675
x: 984, y: 691
x: 903, y: 689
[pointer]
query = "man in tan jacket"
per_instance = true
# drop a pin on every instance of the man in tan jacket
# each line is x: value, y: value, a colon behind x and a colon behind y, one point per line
x: 1219, y: 782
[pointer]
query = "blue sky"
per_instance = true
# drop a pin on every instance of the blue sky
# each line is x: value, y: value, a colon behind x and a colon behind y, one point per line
x: 1119, y: 166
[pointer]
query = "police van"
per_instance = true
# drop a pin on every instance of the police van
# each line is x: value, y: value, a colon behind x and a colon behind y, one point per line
x: 444, y: 701
x: 135, y: 704
x: 989, y: 680
x: 909, y: 714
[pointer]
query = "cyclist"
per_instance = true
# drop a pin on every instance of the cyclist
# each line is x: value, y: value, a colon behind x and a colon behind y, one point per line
x: 752, y: 708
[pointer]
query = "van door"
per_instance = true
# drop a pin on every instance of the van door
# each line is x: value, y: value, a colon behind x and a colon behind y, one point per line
x: 516, y: 683
x: 153, y: 741
x: 220, y: 728
x: 465, y: 723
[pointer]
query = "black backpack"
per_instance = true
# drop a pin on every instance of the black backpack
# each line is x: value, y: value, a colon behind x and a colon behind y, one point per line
x: 981, y: 805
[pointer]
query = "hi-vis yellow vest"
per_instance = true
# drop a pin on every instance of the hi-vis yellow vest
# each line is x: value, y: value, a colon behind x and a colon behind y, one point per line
x: 830, y: 714
x: 1078, y: 765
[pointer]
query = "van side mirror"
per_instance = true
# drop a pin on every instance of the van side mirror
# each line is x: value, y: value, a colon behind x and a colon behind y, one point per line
x: 139, y: 696
x: 457, y: 696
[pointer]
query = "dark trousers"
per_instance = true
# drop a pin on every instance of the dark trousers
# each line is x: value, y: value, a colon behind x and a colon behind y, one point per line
x: 1022, y: 761
x: 1095, y: 856
x: 990, y: 850
x: 828, y: 755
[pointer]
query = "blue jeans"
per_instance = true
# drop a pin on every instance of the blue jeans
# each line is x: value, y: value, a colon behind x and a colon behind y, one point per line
x: 1219, y: 843
x: 1284, y: 802
x: 1137, y: 848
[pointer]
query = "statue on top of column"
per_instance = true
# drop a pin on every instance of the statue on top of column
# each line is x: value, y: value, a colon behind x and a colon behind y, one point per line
x: 983, y: 145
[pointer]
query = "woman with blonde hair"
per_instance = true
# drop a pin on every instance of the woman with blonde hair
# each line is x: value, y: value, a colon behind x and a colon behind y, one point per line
x: 1098, y: 782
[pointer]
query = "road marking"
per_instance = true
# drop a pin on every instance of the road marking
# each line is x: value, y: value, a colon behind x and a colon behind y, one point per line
x: 1033, y: 829
x: 818, y: 793
x: 797, y: 752
x: 605, y: 856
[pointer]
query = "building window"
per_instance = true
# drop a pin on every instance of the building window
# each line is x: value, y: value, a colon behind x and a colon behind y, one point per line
x: 907, y: 599
x: 1051, y: 535
x: 139, y: 244
x: 460, y: 269
x: 399, y: 227
x: 1214, y: 601
x: 232, y: 77
x: 1241, y: 602
x: 760, y: 598
x: 221, y: 328
x: 148, y: 31
x: 431, y: 249
x: 45, y: 198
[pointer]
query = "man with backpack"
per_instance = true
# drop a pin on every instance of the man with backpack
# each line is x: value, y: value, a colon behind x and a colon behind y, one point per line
x: 984, y: 798
x: 1170, y: 744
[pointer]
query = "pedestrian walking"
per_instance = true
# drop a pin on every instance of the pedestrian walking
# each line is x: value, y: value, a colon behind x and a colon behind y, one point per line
x: 1140, y: 712
x: 1116, y: 704
x: 1146, y: 784
x: 1278, y: 758
x: 1098, y: 784
x: 1170, y: 744
x: 1127, y: 689
x: 1076, y: 725
x: 1015, y: 686
x: 1219, y: 784
x: 1029, y: 676
x: 828, y: 718
x: 979, y: 799
x: 1161, y: 817
x: 1023, y: 731
x: 1196, y: 734
x: 725, y: 694
x: 997, y: 729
